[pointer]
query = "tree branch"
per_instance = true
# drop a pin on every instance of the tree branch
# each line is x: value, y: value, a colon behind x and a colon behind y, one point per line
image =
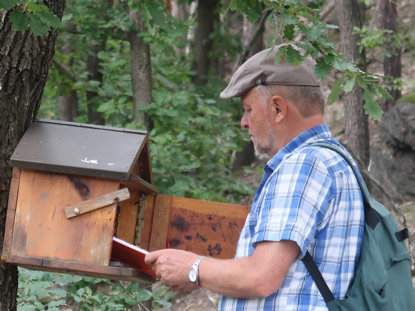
x: 327, y: 10
x: 247, y: 48
x: 65, y: 71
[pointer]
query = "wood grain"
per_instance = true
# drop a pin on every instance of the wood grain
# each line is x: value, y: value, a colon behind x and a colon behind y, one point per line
x: 160, y: 225
x: 96, y: 203
x: 206, y: 228
x: 41, y: 229
x: 145, y: 227
x: 11, y: 211
x: 127, y: 220
x: 73, y: 267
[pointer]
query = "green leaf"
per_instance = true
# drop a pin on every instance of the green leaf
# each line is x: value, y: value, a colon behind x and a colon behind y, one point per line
x: 342, y: 65
x: 289, y: 20
x: 316, y: 32
x: 383, y: 92
x: 88, y: 290
x: 289, y: 31
x: 19, y: 20
x: 330, y: 26
x: 371, y: 107
x: 252, y: 9
x: 292, y: 55
x: 360, y: 82
x: 348, y: 86
x: 156, y: 14
x: 335, y: 91
x: 34, y: 7
x: 27, y: 307
x: 7, y: 4
x: 233, y: 5
x: 37, y: 26
x: 49, y: 19
x: 322, y: 69
x: 56, y: 303
x: 277, y: 59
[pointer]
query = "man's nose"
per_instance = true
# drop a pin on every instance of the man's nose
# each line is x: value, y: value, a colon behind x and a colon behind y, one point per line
x: 244, y: 122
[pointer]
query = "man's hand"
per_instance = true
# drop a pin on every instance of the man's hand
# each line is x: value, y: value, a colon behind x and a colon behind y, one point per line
x: 172, y: 268
x: 255, y: 276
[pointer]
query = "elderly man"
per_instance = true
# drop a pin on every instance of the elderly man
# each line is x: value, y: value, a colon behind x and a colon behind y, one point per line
x: 308, y: 199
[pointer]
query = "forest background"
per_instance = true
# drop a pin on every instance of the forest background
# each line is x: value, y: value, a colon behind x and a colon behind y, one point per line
x: 159, y: 66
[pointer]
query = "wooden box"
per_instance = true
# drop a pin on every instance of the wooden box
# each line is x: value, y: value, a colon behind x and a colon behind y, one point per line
x: 75, y: 186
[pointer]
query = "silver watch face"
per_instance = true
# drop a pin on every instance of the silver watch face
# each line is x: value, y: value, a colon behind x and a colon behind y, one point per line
x: 192, y: 275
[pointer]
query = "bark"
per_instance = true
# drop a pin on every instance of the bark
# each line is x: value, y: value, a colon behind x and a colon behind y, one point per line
x: 206, y: 17
x: 252, y: 39
x: 356, y: 136
x: 181, y: 11
x: 68, y: 106
x: 24, y: 61
x: 392, y: 66
x: 140, y: 70
x: 93, y: 67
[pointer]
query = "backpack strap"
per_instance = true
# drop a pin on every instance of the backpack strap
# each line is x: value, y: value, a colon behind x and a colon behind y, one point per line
x: 317, y: 277
x: 371, y: 218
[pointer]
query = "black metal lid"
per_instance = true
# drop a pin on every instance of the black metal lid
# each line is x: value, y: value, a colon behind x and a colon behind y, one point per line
x: 81, y: 149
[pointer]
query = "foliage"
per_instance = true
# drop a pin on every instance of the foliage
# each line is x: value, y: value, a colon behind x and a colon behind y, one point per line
x: 195, y: 134
x: 33, y: 14
x: 408, y: 98
x: 374, y: 38
x: 385, y: 43
x: 49, y: 291
x: 301, y: 19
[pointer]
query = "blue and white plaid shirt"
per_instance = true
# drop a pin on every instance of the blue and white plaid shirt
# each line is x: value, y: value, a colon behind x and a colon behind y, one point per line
x: 309, y: 195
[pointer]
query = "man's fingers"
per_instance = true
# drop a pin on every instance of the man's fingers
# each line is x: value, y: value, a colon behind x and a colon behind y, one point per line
x: 151, y: 258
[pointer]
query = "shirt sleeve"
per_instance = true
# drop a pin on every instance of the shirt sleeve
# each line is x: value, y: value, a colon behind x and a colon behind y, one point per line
x: 294, y: 201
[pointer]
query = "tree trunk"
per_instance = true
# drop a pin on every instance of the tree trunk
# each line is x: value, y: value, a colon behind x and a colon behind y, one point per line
x: 392, y: 65
x: 140, y: 70
x: 24, y: 61
x: 253, y: 42
x: 93, y: 67
x: 206, y: 17
x: 181, y: 11
x: 68, y: 103
x: 356, y: 136
x: 68, y: 106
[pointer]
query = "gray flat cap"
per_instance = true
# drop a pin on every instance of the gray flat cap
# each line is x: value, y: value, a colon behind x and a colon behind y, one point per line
x: 261, y: 69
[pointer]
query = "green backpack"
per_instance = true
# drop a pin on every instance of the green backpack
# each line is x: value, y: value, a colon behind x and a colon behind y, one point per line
x: 383, y: 280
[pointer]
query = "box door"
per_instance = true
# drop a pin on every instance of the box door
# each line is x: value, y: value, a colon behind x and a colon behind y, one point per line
x: 203, y: 227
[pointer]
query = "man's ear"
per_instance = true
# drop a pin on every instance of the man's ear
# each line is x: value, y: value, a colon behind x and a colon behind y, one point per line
x: 279, y: 108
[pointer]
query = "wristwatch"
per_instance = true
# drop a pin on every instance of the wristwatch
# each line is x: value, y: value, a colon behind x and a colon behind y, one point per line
x: 194, y: 271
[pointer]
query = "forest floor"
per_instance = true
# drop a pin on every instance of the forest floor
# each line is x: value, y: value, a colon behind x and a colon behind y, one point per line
x: 198, y: 300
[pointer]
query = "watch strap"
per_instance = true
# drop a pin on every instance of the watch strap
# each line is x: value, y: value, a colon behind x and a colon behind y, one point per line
x: 195, y: 267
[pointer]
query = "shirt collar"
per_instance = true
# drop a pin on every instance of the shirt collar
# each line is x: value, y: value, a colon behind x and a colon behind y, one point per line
x: 307, y: 137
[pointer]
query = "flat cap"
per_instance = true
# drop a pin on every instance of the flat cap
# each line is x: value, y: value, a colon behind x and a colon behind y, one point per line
x: 260, y: 69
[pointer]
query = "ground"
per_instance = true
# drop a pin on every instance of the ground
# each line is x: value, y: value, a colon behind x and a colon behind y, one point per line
x: 200, y: 299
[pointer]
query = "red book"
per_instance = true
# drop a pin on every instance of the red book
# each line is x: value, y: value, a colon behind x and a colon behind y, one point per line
x: 130, y: 255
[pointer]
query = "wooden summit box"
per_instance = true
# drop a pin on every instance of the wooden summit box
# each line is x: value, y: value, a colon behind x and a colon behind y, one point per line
x: 75, y: 186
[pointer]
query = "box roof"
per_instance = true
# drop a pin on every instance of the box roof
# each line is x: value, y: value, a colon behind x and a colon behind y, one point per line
x: 82, y: 149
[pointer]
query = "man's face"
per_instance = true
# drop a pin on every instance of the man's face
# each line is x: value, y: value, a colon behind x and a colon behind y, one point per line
x: 257, y: 119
